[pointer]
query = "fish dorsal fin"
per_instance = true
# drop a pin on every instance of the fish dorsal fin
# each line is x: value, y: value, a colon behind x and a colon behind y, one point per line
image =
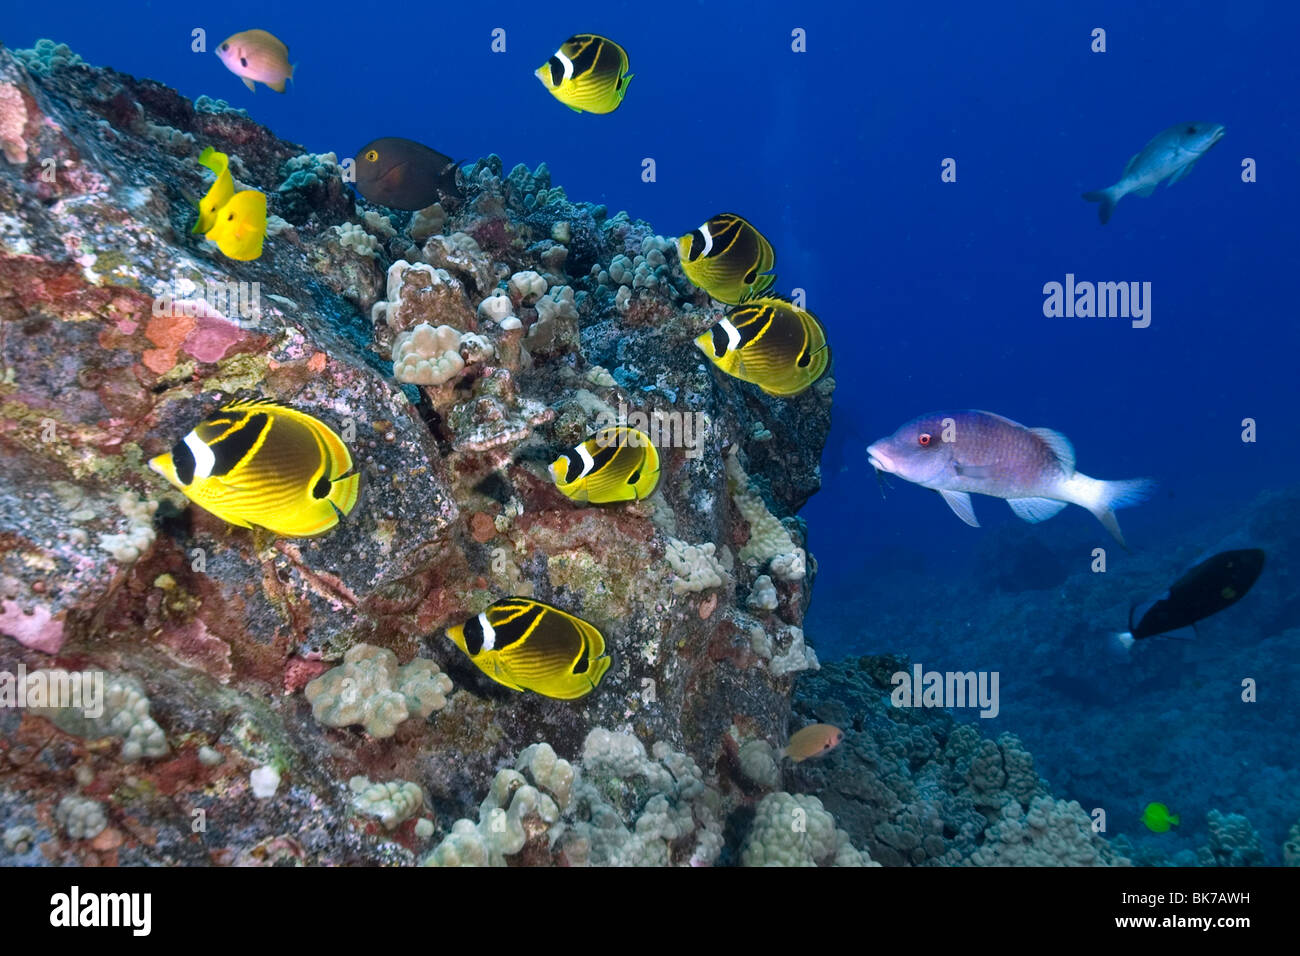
x: 1060, y: 446
x: 1132, y: 164
x: 960, y: 503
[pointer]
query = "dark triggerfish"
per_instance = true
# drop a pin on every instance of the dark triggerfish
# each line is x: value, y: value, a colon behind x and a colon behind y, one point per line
x: 1210, y: 586
x: 403, y: 174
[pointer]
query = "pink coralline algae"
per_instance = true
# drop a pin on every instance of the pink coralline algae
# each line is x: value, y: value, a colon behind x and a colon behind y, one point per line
x: 38, y: 630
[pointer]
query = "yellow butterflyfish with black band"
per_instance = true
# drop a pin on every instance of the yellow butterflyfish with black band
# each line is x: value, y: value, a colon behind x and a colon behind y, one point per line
x: 262, y: 463
x: 615, y: 464
x: 527, y: 645
x: 587, y: 73
x: 728, y: 258
x: 771, y: 343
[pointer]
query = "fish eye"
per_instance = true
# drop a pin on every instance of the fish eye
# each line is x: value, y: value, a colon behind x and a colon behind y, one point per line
x: 372, y: 155
x: 230, y: 217
x: 225, y: 46
x: 925, y: 438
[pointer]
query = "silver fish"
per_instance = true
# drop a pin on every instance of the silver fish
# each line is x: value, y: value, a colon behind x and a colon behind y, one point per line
x: 1171, y: 155
x: 965, y: 452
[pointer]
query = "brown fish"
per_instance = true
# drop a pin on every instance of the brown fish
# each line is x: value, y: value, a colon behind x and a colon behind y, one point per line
x: 812, y: 741
x: 403, y: 174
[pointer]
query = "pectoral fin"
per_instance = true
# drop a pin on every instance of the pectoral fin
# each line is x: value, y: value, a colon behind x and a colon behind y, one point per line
x: 971, y: 471
x: 959, y: 502
x: 1181, y: 173
x: 1035, y: 510
x: 249, y: 83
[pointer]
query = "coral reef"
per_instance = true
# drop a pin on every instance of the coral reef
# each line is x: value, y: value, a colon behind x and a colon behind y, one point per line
x: 911, y: 786
x: 259, y: 676
x: 371, y: 690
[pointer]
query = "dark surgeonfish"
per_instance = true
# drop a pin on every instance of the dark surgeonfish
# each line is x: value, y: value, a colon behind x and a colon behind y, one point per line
x: 403, y: 174
x: 1213, y: 584
x: 1170, y: 156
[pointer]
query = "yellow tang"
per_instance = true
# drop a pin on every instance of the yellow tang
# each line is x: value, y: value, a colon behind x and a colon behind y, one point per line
x: 241, y: 225
x: 728, y: 258
x: 771, y: 343
x: 527, y: 645
x: 219, y: 193
x: 1158, y: 819
x: 587, y: 72
x: 615, y: 464
x: 263, y: 463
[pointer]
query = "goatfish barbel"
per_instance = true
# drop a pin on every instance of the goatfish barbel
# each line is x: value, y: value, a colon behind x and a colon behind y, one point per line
x: 971, y: 452
x: 1170, y: 156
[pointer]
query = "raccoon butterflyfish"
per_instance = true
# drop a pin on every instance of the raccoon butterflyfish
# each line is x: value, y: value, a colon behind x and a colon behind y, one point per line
x: 261, y: 463
x: 587, y: 72
x: 527, y: 645
x: 773, y: 344
x: 615, y: 464
x: 403, y: 174
x: 256, y: 56
x: 219, y: 193
x: 1158, y: 819
x: 241, y: 225
x: 728, y: 258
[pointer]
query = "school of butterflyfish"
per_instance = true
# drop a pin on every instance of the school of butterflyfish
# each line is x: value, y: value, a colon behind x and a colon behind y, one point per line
x: 263, y: 464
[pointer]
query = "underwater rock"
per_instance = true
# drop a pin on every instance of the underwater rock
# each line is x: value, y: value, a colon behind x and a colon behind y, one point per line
x: 121, y: 331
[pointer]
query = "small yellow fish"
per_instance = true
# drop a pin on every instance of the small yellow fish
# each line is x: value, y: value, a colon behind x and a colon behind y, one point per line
x: 770, y: 343
x: 1158, y: 819
x: 263, y: 463
x: 587, y: 72
x: 728, y: 258
x: 241, y: 225
x: 527, y: 645
x: 615, y: 464
x: 812, y: 741
x: 256, y: 56
x: 219, y: 193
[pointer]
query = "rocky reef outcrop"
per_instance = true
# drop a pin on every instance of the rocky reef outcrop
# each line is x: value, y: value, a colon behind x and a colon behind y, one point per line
x: 456, y: 350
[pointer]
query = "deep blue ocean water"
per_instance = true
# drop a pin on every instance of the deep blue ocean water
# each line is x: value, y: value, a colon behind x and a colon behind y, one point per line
x: 931, y: 292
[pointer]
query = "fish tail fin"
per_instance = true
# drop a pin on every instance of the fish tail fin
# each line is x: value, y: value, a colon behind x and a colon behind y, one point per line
x: 1107, y: 199
x: 1173, y: 819
x: 344, y: 493
x: 1102, y: 498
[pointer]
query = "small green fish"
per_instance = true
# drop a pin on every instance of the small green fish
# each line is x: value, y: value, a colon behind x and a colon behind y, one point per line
x: 1158, y: 819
